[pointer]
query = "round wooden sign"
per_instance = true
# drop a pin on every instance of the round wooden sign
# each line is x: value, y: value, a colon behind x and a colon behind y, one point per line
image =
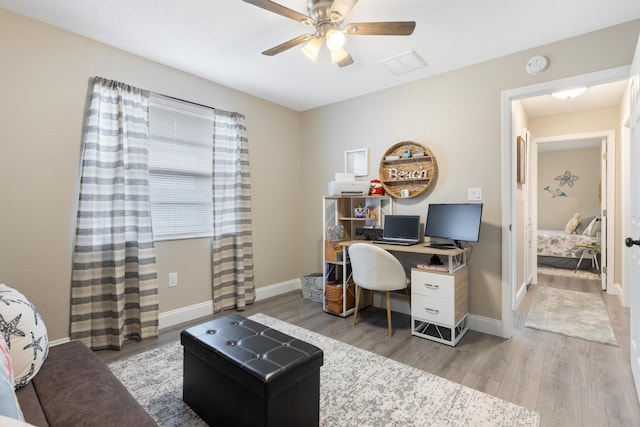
x: 408, y: 169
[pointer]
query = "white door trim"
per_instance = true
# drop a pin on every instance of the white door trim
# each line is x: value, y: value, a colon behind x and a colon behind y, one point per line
x: 508, y: 159
x: 625, y: 208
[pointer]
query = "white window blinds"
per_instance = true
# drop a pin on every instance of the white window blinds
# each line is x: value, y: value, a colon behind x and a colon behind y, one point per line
x: 180, y: 169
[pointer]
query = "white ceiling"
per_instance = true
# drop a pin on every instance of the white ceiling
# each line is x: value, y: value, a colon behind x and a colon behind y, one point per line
x: 600, y: 96
x: 222, y: 40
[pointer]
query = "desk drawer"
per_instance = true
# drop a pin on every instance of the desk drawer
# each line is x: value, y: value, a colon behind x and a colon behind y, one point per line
x: 436, y: 310
x: 432, y: 284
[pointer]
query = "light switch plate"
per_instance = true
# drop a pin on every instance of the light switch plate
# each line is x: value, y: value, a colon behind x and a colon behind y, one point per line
x: 173, y: 280
x: 474, y: 194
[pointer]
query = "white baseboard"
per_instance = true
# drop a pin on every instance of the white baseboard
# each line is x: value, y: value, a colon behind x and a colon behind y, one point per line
x: 186, y: 314
x: 399, y: 303
x: 520, y: 294
x: 277, y: 289
x: 477, y: 323
x: 617, y: 290
x: 203, y: 309
x: 485, y: 325
x: 58, y: 342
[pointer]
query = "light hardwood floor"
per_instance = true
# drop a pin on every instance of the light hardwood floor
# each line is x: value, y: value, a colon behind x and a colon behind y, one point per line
x: 571, y: 382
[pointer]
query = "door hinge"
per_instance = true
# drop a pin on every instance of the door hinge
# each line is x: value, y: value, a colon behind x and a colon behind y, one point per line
x: 604, y: 269
x: 604, y: 212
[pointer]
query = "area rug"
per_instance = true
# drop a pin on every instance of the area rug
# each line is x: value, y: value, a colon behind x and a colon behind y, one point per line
x: 358, y: 388
x: 580, y: 274
x: 571, y: 313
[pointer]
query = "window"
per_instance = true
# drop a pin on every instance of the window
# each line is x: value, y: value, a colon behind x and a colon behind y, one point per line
x: 180, y: 169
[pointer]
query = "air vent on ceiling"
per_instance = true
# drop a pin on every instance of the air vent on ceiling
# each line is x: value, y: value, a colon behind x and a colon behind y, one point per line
x: 403, y: 63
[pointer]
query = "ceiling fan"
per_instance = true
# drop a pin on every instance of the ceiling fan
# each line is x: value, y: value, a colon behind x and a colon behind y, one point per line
x: 327, y: 17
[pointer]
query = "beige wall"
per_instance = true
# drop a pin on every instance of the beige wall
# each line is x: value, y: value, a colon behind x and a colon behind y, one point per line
x: 601, y: 119
x: 457, y: 115
x: 582, y: 197
x: 44, y: 77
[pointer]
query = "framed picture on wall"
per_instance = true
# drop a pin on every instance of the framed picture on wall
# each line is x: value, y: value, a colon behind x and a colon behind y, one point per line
x: 357, y: 162
x: 521, y: 159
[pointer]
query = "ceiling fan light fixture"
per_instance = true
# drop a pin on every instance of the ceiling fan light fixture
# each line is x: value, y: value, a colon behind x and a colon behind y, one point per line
x: 312, y: 48
x: 327, y: 18
x: 569, y: 93
x: 338, y: 55
x: 335, y: 39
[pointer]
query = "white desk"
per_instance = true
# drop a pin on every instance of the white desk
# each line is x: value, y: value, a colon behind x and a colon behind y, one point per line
x: 456, y: 258
x: 439, y: 296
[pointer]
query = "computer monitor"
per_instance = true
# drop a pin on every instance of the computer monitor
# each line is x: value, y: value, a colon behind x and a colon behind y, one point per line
x: 454, y: 221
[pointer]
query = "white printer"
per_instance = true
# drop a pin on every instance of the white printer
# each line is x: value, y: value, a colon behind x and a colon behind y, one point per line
x: 346, y: 185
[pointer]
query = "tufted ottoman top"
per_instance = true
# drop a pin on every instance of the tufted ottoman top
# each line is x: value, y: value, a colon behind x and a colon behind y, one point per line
x: 259, y: 350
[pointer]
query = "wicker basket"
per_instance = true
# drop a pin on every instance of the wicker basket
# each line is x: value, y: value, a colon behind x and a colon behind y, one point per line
x: 333, y: 251
x: 333, y: 295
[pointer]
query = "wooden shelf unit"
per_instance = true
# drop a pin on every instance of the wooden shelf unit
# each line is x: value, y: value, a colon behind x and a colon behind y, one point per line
x: 339, y: 210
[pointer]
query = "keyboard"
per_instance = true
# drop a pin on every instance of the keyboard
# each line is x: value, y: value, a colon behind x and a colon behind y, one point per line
x: 394, y: 242
x: 440, y: 246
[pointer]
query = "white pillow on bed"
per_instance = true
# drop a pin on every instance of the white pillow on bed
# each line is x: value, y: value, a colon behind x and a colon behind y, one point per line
x: 593, y: 228
x: 571, y: 226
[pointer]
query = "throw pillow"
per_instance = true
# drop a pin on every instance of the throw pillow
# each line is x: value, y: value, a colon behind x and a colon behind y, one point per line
x: 593, y: 227
x: 10, y: 422
x: 571, y: 226
x: 25, y: 333
x: 584, y: 222
x: 9, y: 406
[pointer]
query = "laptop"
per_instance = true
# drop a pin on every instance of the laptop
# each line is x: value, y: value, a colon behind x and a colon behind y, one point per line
x: 400, y: 230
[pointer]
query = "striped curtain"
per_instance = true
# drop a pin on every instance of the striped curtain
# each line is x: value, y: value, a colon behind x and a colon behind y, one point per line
x: 231, y: 246
x: 114, y: 289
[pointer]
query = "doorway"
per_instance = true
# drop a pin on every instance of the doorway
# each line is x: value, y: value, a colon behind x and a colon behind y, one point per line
x: 591, y: 160
x: 513, y: 221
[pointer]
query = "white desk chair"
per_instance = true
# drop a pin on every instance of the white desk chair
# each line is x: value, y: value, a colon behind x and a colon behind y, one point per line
x: 375, y: 269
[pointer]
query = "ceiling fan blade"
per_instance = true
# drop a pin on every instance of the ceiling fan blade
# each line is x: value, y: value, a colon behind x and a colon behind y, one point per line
x: 287, y: 45
x: 401, y: 28
x: 280, y: 10
x: 348, y: 60
x: 343, y: 7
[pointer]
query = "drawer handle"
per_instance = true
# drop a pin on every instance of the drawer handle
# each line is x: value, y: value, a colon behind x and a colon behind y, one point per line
x: 432, y: 310
x: 430, y: 286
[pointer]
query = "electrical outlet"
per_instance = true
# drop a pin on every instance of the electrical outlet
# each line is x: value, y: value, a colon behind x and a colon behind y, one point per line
x: 173, y: 280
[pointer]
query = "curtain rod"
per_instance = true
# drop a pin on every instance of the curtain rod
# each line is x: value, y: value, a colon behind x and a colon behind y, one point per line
x: 181, y: 100
x: 156, y: 93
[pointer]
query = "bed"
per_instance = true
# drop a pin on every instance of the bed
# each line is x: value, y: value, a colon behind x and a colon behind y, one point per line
x: 559, y: 249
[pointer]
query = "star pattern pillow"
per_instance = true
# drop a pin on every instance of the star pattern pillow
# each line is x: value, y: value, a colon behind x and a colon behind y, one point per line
x: 24, y: 332
x: 9, y: 406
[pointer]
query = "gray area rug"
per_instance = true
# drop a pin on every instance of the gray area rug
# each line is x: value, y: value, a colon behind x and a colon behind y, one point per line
x: 358, y: 388
x: 580, y: 274
x: 571, y: 313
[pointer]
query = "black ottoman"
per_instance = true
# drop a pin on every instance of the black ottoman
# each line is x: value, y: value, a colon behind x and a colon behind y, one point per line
x: 241, y: 373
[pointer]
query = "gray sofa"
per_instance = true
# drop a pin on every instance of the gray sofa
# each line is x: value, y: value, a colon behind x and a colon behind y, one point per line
x: 75, y: 388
